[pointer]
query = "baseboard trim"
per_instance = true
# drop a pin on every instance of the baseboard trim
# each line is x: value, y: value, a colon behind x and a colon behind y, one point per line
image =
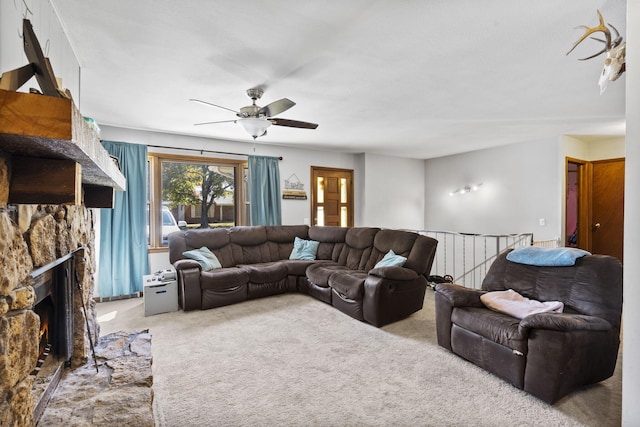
x: 118, y: 297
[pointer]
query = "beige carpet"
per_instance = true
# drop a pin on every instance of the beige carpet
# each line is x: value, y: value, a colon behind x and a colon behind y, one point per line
x: 291, y: 360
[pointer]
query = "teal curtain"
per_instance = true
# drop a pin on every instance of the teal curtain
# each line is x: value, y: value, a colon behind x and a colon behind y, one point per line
x: 264, y: 191
x: 123, y: 229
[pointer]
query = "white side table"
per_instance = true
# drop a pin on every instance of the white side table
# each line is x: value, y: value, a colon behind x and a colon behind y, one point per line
x: 159, y: 296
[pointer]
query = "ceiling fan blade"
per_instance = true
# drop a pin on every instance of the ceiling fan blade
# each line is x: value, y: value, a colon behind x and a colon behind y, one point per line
x: 214, y: 105
x: 293, y: 123
x: 276, y: 107
x: 211, y: 123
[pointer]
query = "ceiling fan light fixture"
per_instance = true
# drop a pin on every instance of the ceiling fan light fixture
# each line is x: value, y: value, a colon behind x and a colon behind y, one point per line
x: 254, y: 126
x: 255, y: 120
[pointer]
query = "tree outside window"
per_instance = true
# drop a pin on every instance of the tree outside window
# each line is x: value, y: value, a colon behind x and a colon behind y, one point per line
x: 202, y: 195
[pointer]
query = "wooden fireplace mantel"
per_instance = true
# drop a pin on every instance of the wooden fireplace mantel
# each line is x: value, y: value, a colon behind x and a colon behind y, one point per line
x: 35, y: 128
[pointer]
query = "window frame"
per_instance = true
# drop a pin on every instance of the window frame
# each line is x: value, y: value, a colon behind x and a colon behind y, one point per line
x: 154, y: 192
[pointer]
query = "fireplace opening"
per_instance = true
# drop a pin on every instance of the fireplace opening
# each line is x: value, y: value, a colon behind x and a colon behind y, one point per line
x: 53, y: 286
x: 45, y: 311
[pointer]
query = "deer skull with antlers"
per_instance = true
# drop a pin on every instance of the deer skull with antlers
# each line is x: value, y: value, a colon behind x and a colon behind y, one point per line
x: 614, y: 64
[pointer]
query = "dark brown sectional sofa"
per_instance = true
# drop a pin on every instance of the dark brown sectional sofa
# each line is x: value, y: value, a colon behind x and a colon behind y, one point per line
x: 255, y: 263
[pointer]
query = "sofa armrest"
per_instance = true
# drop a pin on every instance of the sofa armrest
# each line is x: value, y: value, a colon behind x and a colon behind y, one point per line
x: 189, y: 291
x: 183, y: 264
x: 459, y: 296
x: 386, y: 300
x: 394, y: 273
x: 564, y: 322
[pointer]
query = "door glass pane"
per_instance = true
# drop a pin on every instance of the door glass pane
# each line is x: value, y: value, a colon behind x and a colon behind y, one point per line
x: 344, y: 221
x: 343, y: 190
x: 245, y: 196
x: 320, y: 189
x: 320, y: 216
x: 148, y: 200
x: 148, y: 222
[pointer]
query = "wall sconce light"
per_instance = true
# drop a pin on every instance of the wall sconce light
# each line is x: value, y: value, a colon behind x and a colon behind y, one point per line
x: 466, y: 189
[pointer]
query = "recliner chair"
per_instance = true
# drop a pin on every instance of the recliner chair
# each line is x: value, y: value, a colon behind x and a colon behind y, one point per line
x: 546, y: 354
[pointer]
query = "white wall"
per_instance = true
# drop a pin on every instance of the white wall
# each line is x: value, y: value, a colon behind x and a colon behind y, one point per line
x: 520, y: 186
x: 593, y: 148
x: 631, y: 315
x: 50, y: 34
x: 610, y: 148
x: 392, y: 192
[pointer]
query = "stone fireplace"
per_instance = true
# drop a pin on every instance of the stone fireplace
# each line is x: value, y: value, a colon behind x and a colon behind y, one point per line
x: 43, y: 248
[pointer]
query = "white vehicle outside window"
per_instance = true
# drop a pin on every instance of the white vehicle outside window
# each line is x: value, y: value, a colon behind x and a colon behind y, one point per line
x: 169, y: 224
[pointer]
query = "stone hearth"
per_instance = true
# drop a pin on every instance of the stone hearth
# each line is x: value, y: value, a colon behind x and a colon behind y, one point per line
x: 118, y: 394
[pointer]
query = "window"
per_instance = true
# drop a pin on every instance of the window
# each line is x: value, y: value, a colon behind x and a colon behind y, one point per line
x: 193, y: 192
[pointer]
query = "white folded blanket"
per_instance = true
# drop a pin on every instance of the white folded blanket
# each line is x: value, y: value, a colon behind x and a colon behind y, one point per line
x: 512, y: 303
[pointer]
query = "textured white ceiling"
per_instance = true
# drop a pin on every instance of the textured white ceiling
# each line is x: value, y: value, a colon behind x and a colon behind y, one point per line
x: 411, y: 78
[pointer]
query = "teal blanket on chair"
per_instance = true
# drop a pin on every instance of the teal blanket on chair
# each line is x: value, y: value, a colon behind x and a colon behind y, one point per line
x: 556, y: 257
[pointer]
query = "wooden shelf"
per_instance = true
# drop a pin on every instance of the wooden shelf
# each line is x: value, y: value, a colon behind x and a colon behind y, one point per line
x: 33, y: 125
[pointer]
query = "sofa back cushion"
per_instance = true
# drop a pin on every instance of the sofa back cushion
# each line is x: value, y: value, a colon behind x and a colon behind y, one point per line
x: 258, y: 244
x: 419, y: 250
x: 249, y: 244
x: 216, y: 239
x: 593, y: 286
x: 331, y: 240
x: 358, y: 248
x: 281, y: 238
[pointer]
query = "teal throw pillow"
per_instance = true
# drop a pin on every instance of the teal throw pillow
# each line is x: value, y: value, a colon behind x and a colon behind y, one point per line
x: 391, y: 260
x: 304, y: 249
x: 207, y: 259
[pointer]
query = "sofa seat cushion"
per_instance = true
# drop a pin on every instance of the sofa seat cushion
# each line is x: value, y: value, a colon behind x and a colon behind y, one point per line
x: 268, y: 272
x: 319, y: 273
x: 299, y: 267
x: 349, y: 284
x: 223, y: 278
x: 497, y: 327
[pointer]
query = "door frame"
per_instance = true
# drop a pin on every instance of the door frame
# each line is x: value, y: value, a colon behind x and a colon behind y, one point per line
x: 584, y: 201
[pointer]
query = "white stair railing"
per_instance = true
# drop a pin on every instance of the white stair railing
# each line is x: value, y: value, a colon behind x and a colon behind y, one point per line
x: 467, y: 257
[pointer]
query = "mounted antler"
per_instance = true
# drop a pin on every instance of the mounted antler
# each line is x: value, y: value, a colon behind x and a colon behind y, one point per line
x: 614, y: 64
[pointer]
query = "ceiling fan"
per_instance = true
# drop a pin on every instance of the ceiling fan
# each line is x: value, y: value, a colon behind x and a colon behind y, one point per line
x: 255, y: 119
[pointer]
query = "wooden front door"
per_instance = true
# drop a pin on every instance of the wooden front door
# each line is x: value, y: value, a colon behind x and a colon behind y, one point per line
x: 331, y: 196
x: 607, y: 201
